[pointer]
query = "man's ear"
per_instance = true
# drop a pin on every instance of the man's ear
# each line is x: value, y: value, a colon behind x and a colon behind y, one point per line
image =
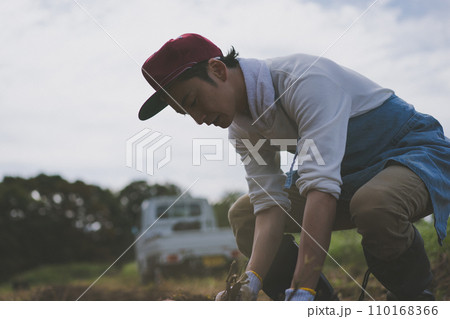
x: 218, y: 69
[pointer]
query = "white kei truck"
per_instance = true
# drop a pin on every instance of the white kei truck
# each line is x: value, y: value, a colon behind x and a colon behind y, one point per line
x: 181, y: 235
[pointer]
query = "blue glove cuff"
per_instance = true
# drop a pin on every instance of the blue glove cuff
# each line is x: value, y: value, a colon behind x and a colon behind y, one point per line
x: 298, y: 295
x: 253, y: 282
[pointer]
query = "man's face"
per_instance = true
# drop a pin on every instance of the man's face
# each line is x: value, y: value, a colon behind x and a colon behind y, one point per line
x: 203, y: 101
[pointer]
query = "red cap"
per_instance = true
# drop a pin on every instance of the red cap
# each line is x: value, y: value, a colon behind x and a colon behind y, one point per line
x: 166, y: 64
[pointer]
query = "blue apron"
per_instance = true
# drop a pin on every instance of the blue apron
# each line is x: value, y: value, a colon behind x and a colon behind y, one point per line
x: 395, y: 132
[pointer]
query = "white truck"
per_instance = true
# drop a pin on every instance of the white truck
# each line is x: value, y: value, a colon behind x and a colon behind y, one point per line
x: 181, y: 236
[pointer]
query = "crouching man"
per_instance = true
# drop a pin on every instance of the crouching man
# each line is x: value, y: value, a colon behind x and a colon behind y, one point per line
x: 366, y: 159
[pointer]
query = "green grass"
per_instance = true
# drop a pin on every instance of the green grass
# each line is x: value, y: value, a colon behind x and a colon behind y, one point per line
x: 61, y: 274
x: 79, y: 275
x: 73, y: 273
x: 129, y: 272
x: 345, y: 248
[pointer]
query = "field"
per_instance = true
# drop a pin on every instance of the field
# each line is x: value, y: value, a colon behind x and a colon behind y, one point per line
x: 70, y: 281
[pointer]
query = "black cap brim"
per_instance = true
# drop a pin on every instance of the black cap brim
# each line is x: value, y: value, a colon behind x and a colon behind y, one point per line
x: 151, y: 107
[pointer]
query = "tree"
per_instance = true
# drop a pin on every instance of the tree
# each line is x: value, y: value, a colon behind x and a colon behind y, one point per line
x: 46, y: 219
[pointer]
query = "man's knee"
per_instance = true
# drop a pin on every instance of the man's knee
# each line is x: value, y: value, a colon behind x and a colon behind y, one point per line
x: 370, y: 208
x: 382, y: 222
x: 241, y: 212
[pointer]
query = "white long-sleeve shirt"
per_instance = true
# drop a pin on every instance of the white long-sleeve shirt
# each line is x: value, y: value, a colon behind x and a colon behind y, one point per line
x: 316, y: 99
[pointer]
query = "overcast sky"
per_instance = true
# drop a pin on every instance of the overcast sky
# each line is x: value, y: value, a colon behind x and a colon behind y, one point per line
x: 71, y: 90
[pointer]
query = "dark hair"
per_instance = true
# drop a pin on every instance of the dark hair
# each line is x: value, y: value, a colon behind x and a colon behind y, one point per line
x: 201, y: 69
x: 230, y: 59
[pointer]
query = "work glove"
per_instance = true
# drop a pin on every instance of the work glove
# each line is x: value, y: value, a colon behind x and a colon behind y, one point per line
x: 249, y: 286
x: 301, y: 294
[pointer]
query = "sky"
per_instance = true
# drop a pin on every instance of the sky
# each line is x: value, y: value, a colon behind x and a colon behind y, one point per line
x: 71, y: 84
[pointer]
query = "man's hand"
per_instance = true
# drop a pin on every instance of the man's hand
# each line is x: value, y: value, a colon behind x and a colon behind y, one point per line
x: 245, y: 289
x: 299, y: 294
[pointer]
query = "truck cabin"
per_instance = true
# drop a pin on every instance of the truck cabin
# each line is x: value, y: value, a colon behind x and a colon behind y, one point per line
x: 184, y: 215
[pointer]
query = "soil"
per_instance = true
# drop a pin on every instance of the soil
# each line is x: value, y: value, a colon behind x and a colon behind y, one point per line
x: 345, y: 288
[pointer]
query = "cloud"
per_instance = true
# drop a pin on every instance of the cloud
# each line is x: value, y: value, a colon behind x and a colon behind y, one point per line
x: 70, y: 94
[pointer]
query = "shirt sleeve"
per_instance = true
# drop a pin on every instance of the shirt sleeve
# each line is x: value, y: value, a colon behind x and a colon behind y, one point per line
x: 264, y: 176
x: 321, y: 109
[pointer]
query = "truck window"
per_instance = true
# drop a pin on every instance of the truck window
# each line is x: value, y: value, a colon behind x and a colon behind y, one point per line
x: 194, y: 210
x: 160, y: 211
x: 178, y: 211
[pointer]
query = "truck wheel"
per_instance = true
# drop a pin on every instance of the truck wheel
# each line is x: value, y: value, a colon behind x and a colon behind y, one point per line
x: 144, y: 273
x: 152, y: 274
x: 157, y: 275
x: 146, y: 278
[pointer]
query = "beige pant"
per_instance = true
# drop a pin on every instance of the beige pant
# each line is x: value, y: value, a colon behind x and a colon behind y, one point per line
x: 382, y: 210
